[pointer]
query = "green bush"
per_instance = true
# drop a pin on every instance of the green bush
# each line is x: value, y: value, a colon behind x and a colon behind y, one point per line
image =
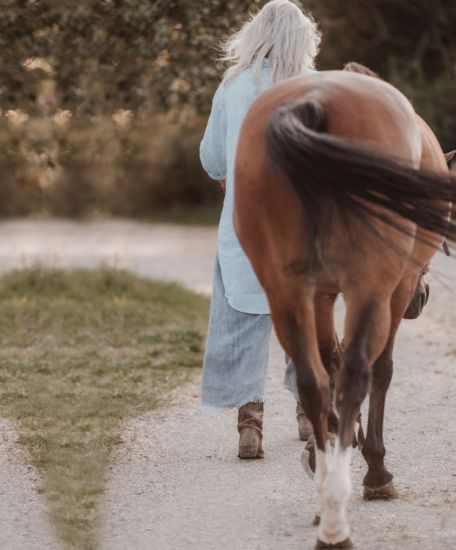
x: 99, y: 166
x: 159, y: 168
x: 410, y: 44
x: 86, y: 154
x: 19, y: 181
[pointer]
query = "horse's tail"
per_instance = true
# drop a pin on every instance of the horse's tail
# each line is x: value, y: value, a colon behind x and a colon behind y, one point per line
x: 329, y: 170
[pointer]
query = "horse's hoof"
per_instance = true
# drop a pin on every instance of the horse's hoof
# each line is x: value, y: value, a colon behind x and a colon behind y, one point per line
x: 384, y: 492
x: 347, y: 543
x: 307, y: 461
x: 305, y: 429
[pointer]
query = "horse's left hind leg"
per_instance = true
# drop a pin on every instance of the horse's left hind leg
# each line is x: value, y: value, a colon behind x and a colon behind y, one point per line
x: 294, y: 322
x: 330, y: 349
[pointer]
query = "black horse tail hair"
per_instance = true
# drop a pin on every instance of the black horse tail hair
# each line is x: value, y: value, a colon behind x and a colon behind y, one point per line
x: 326, y: 170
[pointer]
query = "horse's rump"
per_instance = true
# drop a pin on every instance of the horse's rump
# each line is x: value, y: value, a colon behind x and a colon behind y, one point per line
x: 354, y: 177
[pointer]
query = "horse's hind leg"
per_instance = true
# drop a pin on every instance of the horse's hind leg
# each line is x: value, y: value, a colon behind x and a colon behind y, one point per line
x: 294, y: 322
x: 330, y: 349
x: 378, y: 482
x: 366, y: 331
x: 331, y: 356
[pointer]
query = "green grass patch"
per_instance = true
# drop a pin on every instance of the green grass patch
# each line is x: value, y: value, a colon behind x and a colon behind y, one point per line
x: 82, y: 351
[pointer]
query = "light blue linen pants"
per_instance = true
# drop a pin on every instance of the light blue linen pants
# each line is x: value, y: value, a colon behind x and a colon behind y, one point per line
x: 236, y: 356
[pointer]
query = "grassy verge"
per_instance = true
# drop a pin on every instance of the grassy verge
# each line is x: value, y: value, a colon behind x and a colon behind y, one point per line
x: 81, y: 351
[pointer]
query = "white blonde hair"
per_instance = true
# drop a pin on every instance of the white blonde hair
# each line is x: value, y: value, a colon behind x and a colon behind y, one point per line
x: 279, y: 32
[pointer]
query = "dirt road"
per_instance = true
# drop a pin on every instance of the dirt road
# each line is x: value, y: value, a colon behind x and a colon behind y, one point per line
x: 162, y: 251
x: 24, y: 524
x: 177, y: 483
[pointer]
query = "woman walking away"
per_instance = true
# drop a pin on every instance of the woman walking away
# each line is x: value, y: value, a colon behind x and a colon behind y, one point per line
x: 278, y: 42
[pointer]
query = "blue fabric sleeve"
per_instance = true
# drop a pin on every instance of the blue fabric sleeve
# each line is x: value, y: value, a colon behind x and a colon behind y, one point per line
x: 213, y: 145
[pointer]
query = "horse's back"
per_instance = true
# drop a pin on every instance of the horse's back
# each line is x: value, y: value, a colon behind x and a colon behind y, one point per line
x: 358, y: 107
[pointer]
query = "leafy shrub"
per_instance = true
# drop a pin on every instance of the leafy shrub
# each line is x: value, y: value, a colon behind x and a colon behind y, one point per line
x: 87, y: 167
x: 159, y: 168
x: 85, y: 164
x: 19, y: 183
x: 410, y: 44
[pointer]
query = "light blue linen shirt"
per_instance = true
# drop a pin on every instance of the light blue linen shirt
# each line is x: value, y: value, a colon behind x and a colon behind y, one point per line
x: 231, y: 102
x: 230, y: 105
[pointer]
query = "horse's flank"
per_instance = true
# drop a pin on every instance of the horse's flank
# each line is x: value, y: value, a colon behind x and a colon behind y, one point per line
x: 432, y: 156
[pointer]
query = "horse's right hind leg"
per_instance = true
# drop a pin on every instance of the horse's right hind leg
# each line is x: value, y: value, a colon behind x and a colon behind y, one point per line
x: 378, y: 482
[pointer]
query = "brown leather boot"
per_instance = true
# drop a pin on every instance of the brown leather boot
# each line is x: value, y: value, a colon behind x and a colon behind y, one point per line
x: 250, y: 425
x: 304, y: 425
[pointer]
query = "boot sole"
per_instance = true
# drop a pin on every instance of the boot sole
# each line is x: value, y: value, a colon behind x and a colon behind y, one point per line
x: 250, y: 453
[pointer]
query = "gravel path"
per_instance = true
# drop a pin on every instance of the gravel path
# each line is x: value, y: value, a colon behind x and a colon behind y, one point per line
x: 178, y: 485
x: 24, y: 524
x: 178, y: 253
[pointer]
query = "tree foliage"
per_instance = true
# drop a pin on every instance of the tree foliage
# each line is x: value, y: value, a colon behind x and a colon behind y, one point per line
x: 108, y: 54
x: 102, y: 102
x: 410, y: 44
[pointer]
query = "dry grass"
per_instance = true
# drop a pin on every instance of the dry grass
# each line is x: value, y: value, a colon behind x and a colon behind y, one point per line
x: 81, y: 352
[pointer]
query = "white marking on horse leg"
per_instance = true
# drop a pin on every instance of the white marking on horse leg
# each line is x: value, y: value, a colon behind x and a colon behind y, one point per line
x: 336, y: 491
x: 322, y: 463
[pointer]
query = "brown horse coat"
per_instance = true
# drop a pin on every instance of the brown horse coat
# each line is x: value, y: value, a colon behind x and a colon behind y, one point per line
x: 332, y: 195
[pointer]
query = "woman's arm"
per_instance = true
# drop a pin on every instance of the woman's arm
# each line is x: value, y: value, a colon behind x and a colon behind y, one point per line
x: 213, y: 145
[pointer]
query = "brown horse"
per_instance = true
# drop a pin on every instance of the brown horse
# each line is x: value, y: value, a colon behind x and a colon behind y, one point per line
x: 339, y: 188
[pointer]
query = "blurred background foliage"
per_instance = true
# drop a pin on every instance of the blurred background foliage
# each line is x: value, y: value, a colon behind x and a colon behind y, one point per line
x: 104, y: 101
